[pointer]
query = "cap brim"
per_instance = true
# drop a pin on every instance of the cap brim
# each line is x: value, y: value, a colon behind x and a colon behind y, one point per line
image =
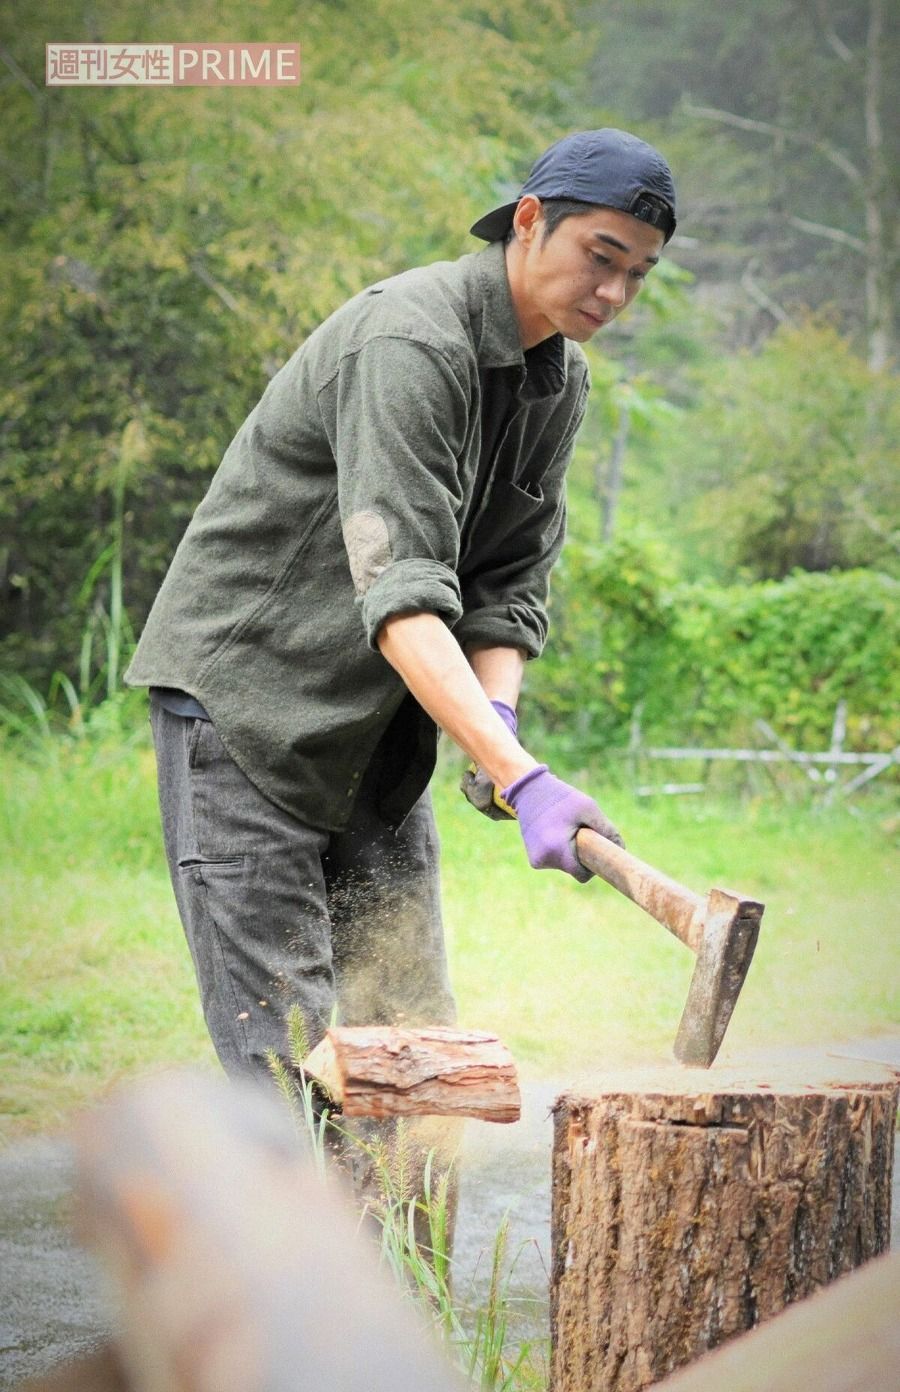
x: 494, y: 226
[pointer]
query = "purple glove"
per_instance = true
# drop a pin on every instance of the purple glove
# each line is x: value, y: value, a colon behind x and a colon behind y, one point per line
x: 550, y: 812
x: 508, y: 716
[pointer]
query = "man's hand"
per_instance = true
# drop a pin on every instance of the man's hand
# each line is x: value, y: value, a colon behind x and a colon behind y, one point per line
x: 550, y: 812
x: 477, y: 786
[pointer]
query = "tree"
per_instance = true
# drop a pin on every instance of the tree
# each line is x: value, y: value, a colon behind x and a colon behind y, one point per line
x: 867, y: 179
x: 782, y: 116
x: 163, y: 252
x: 790, y: 459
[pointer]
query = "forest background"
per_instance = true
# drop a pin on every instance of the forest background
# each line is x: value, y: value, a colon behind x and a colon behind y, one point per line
x: 733, y: 546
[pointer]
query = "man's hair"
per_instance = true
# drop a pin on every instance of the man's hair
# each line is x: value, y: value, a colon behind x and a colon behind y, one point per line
x: 555, y: 211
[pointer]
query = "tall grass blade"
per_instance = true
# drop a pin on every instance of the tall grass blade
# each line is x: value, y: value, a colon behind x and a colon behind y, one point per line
x: 95, y: 570
x: 21, y: 692
x: 298, y: 1036
x: 285, y: 1083
x: 61, y: 682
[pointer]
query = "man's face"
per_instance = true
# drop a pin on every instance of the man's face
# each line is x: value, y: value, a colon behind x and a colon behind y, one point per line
x: 582, y: 275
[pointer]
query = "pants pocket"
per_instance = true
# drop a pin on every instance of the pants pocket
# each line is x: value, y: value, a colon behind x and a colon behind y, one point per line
x: 188, y: 862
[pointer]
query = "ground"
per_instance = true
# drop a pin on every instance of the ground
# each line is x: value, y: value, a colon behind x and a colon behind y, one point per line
x: 53, y: 1304
x: 96, y: 985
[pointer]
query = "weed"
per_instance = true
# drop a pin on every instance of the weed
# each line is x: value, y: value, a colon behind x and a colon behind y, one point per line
x: 97, y: 704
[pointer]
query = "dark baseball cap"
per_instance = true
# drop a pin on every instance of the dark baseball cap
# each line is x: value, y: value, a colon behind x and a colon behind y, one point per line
x: 609, y: 168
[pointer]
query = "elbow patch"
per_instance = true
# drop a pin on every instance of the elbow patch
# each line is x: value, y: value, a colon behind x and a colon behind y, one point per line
x: 368, y: 548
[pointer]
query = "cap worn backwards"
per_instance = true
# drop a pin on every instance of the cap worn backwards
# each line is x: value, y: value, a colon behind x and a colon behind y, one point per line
x: 608, y: 168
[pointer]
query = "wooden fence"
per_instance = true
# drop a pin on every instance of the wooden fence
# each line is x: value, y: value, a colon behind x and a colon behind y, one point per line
x: 833, y: 772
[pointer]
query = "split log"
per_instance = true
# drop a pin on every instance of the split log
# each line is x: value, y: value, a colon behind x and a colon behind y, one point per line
x: 384, y: 1071
x: 689, y: 1205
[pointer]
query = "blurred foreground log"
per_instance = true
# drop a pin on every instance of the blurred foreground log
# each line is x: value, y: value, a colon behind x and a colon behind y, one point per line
x: 238, y: 1267
x: 843, y: 1339
x: 383, y: 1071
x: 689, y: 1205
x: 100, y: 1371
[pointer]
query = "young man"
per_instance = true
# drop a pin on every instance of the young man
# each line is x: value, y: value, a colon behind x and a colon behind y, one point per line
x: 370, y: 563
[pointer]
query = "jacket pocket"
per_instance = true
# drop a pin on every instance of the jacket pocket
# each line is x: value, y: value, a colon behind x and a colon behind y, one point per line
x: 201, y: 862
x: 528, y: 495
x: 510, y: 509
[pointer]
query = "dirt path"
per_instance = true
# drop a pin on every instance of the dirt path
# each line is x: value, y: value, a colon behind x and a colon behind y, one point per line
x: 52, y: 1301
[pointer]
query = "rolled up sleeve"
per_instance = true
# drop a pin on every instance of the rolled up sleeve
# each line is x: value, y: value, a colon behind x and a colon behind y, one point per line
x: 424, y: 586
x: 396, y: 414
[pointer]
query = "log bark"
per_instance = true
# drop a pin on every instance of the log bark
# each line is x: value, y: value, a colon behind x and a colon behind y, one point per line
x: 384, y: 1071
x: 690, y: 1205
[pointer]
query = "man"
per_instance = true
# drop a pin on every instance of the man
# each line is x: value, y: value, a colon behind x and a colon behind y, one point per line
x: 370, y: 563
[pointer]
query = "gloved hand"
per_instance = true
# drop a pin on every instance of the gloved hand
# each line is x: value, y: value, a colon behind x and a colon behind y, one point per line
x: 550, y: 813
x: 475, y: 783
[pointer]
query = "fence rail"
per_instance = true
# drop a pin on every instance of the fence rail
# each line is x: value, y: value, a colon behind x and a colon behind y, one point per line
x: 773, y: 756
x: 820, y: 766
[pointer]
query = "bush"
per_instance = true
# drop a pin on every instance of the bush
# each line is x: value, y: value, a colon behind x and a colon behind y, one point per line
x: 788, y: 459
x: 703, y: 661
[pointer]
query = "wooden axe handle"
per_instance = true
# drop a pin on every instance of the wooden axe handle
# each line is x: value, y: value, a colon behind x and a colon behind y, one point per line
x: 676, y: 908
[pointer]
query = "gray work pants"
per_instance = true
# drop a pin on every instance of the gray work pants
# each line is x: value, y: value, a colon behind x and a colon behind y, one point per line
x: 277, y: 912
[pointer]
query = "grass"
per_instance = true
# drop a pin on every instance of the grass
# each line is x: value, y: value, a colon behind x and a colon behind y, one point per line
x: 574, y: 976
x: 96, y: 982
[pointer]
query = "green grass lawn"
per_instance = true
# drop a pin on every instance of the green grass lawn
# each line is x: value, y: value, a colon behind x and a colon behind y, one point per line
x: 96, y: 982
x: 575, y: 977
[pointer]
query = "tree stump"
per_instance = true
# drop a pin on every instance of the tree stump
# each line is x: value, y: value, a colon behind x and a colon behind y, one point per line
x: 689, y: 1205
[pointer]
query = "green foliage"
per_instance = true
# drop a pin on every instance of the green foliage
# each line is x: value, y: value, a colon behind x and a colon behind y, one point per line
x: 789, y: 458
x: 789, y: 652
x: 165, y: 251
x: 612, y: 626
x: 703, y: 661
x: 93, y: 706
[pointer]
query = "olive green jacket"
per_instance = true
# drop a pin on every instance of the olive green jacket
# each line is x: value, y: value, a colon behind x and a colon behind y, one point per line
x: 408, y: 456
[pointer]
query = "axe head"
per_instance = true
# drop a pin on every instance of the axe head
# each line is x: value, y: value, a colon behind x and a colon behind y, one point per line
x: 727, y: 941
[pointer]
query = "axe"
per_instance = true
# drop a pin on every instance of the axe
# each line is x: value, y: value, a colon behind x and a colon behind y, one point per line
x: 721, y: 929
x: 387, y: 1071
